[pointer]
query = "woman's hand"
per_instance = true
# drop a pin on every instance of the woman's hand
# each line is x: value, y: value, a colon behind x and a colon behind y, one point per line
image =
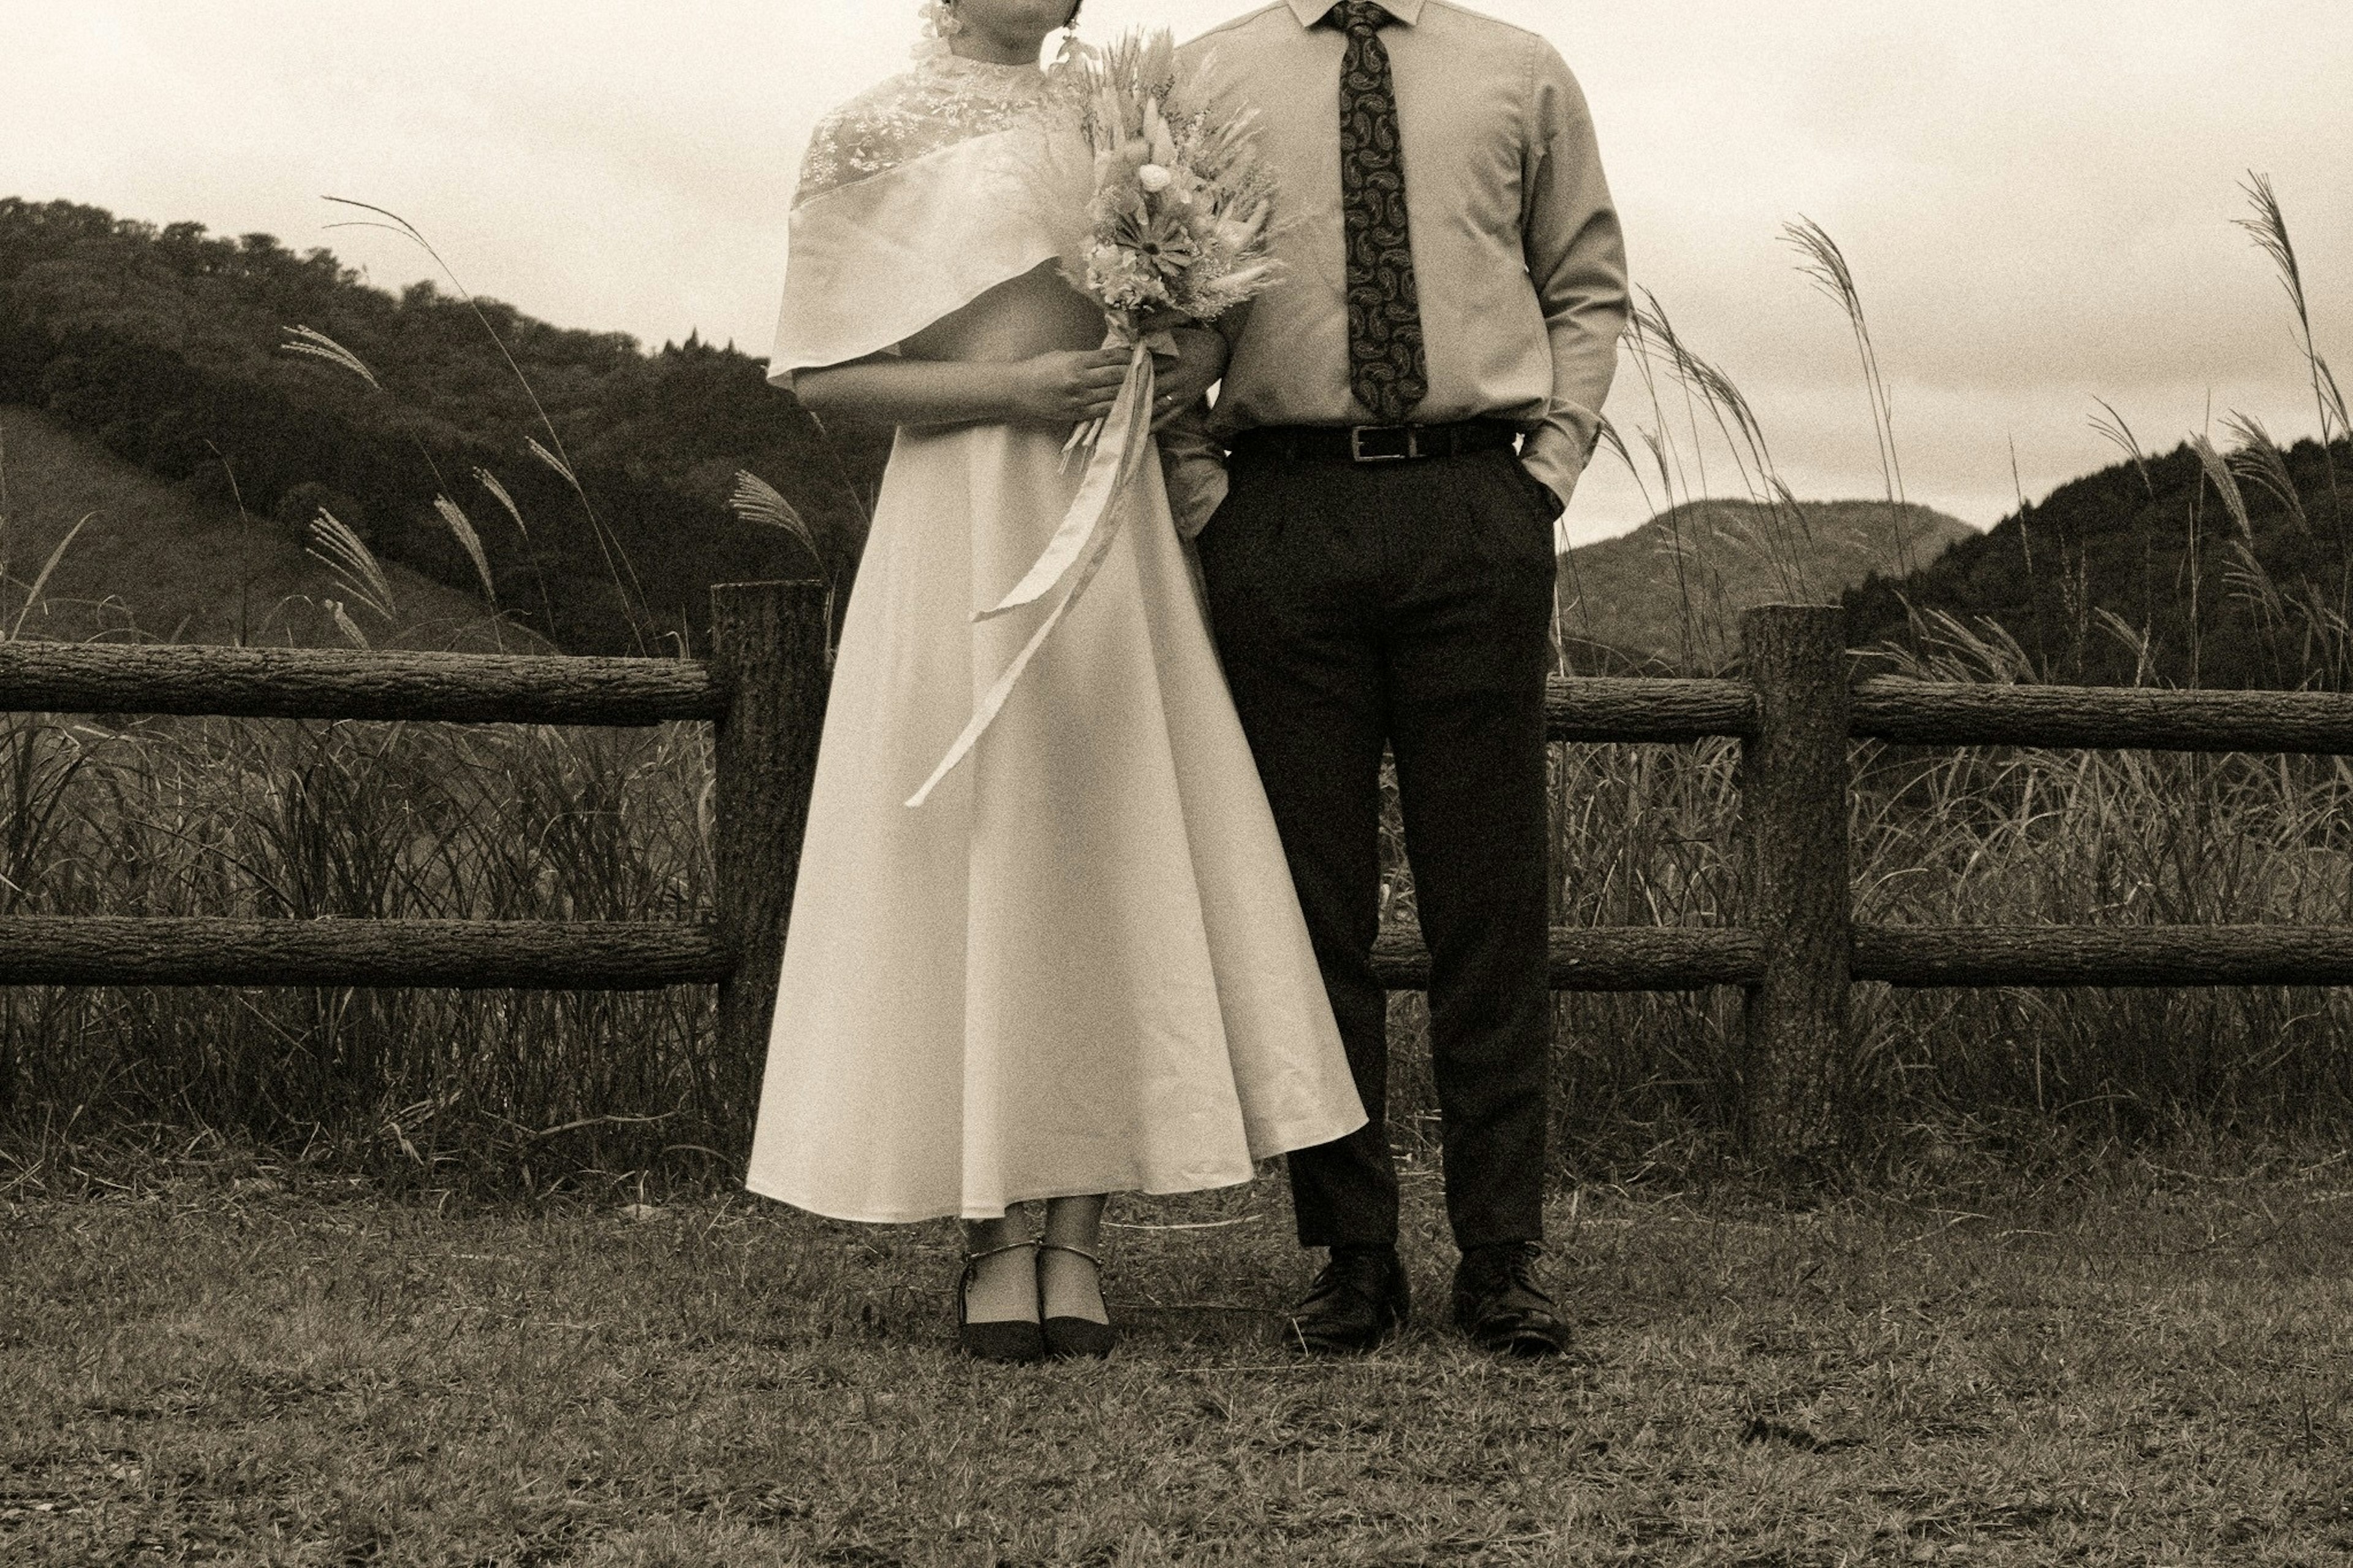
x: 1072, y: 387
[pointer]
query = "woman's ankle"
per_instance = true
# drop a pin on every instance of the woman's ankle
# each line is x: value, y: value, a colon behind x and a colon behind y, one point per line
x: 1069, y: 1278
x: 1001, y: 1285
x: 1075, y: 1222
x: 1069, y: 1285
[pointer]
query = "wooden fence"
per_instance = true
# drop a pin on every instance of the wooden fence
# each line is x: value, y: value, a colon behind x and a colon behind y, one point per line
x: 1796, y: 954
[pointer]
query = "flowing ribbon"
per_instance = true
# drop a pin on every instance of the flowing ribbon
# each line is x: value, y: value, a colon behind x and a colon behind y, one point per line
x: 1077, y: 551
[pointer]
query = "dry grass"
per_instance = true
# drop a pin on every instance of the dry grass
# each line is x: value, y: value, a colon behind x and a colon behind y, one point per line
x: 379, y: 821
x: 215, y: 1358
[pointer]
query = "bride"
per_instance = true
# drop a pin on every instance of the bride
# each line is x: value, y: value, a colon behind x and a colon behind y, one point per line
x: 1078, y: 967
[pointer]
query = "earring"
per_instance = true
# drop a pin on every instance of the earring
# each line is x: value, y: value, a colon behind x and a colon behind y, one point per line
x: 1070, y: 49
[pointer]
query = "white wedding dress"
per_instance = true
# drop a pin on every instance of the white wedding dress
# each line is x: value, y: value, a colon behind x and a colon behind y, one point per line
x: 1079, y: 966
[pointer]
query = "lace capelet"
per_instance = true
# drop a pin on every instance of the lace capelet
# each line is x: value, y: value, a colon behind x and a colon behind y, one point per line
x: 918, y: 196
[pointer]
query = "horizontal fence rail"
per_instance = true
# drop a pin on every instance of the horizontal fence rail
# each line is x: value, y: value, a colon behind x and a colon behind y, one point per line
x: 616, y: 955
x: 327, y: 683
x: 1952, y: 714
x: 1645, y: 708
x: 557, y: 689
x: 1609, y: 958
x: 555, y: 955
x: 763, y: 691
x: 2104, y: 955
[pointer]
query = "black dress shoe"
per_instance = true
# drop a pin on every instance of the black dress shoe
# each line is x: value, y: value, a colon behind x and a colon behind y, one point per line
x: 1015, y: 1340
x: 1501, y: 1302
x: 1358, y: 1301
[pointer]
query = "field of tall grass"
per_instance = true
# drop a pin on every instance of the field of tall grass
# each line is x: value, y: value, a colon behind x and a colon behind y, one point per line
x: 307, y: 820
x: 501, y: 1092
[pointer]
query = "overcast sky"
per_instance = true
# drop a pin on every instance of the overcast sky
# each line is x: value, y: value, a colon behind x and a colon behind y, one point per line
x: 2034, y: 195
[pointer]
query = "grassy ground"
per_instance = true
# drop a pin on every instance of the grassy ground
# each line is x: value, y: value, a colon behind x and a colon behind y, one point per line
x: 229, y: 1361
x: 153, y: 563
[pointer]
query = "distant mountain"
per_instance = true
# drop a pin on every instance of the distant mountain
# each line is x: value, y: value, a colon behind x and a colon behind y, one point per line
x: 2216, y: 570
x: 1670, y: 594
x: 168, y: 347
x: 153, y: 563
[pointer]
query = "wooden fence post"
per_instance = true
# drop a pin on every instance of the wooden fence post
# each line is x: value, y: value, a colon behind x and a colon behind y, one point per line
x: 768, y: 650
x: 1793, y: 804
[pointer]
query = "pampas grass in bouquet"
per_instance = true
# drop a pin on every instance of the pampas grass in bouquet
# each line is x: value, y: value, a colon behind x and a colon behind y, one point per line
x: 1179, y: 214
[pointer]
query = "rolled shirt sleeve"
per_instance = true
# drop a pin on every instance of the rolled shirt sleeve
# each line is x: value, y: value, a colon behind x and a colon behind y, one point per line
x: 1577, y: 259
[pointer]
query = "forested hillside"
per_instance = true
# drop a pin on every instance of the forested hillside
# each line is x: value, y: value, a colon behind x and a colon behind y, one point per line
x: 1669, y: 594
x: 2186, y: 569
x: 168, y: 345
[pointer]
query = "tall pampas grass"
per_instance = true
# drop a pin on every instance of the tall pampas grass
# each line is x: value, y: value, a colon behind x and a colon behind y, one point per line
x: 352, y: 564
x: 622, y: 571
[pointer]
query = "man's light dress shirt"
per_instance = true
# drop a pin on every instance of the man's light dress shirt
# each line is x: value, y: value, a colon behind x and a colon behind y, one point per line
x: 1517, y: 254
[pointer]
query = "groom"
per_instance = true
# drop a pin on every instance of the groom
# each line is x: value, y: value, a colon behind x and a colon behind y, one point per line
x: 1407, y: 415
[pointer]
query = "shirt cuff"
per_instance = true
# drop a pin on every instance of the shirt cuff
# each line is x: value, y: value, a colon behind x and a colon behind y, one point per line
x: 1556, y: 458
x: 1193, y: 467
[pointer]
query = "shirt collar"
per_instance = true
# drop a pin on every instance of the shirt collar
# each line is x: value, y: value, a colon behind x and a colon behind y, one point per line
x: 1311, y: 12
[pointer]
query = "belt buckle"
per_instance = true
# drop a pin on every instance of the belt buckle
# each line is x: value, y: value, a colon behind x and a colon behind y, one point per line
x: 1356, y: 452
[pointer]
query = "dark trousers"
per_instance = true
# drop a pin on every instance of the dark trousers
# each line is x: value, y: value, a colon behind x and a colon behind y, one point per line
x: 1407, y: 604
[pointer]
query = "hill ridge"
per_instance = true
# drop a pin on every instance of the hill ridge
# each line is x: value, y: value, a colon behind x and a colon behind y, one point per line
x: 1669, y: 594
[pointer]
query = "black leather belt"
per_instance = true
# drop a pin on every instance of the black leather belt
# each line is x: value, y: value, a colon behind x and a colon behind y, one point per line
x: 1372, y: 443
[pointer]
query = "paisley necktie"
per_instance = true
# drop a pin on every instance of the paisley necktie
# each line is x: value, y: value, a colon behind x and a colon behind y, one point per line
x: 1387, y: 370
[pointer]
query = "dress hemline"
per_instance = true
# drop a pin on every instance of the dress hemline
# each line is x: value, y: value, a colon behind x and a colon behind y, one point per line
x: 1284, y: 1143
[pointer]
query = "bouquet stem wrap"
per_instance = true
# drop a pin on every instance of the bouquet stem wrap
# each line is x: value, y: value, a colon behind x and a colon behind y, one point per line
x: 1080, y: 543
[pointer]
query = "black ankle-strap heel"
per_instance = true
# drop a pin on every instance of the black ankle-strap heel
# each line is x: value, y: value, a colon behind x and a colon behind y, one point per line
x: 1076, y: 1339
x: 1015, y: 1340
